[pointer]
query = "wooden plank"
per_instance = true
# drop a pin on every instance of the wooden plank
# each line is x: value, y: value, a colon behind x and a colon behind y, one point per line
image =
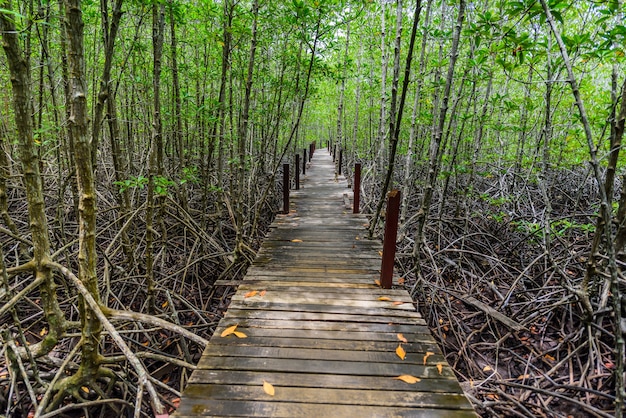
x: 230, y: 408
x: 254, y: 392
x: 337, y: 344
x: 357, y: 300
x: 356, y: 368
x: 340, y: 309
x: 312, y: 380
x: 268, y: 283
x: 332, y: 291
x: 321, y: 354
x: 325, y: 334
x: 322, y: 325
x: 363, y: 318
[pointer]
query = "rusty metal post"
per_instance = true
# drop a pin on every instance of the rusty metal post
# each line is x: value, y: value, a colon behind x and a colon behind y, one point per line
x: 340, y: 160
x: 297, y: 171
x: 285, y: 188
x: 356, y: 188
x: 389, y: 241
x: 304, y: 161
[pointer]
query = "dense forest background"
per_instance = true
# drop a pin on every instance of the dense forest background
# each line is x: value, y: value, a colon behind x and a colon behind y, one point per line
x: 141, y: 143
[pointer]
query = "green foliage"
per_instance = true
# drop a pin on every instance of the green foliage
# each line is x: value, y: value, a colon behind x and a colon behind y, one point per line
x: 161, y: 185
x: 133, y: 182
x: 190, y: 175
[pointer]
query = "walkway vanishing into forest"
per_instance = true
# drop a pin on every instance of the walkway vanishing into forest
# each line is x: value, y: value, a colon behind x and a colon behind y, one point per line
x: 313, y: 324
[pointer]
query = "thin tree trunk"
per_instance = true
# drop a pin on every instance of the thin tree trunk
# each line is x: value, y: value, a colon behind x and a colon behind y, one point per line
x: 394, y: 127
x: 78, y: 131
x: 605, y: 218
x: 156, y: 150
x: 19, y: 67
x: 434, y: 158
x: 178, y: 130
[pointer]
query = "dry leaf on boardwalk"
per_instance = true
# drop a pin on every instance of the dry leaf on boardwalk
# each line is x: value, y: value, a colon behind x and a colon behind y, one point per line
x: 400, y: 352
x: 383, y: 298
x: 377, y: 282
x: 397, y: 303
x: 440, y: 367
x: 402, y: 338
x: 240, y: 334
x: 228, y: 331
x: 250, y: 294
x: 407, y: 378
x: 401, y: 280
x: 428, y: 354
x: 268, y: 388
x: 296, y: 240
x: 263, y: 292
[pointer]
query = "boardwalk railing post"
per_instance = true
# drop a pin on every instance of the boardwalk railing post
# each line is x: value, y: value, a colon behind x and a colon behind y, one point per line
x: 304, y: 161
x: 389, y: 241
x: 334, y: 152
x: 356, y: 189
x: 286, y: 188
x: 310, y: 151
x: 297, y: 171
x: 340, y: 160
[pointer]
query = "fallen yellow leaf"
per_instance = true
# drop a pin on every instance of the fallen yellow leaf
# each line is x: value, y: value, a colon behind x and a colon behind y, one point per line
x: 296, y: 240
x: 401, y: 280
x: 43, y: 332
x: 377, y: 282
x: 240, y: 334
x: 397, y: 303
x: 487, y: 369
x: 383, y: 298
x: 228, y: 331
x: 164, y: 304
x: 268, y: 388
x: 84, y: 389
x: 263, y: 292
x: 440, y: 367
x: 428, y: 354
x: 250, y: 294
x: 380, y: 253
x: 400, y: 352
x: 407, y: 378
x: 402, y: 338
x: 524, y: 376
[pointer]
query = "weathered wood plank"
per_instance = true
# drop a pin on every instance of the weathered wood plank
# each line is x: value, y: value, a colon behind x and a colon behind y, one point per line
x: 357, y: 368
x: 325, y: 334
x: 363, y: 318
x: 322, y: 354
x: 230, y: 408
x: 336, y: 344
x: 335, y: 396
x: 341, y: 309
x: 328, y: 381
x: 321, y: 325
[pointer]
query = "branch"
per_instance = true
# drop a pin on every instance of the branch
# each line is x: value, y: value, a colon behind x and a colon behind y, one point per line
x: 97, y: 309
x: 153, y: 320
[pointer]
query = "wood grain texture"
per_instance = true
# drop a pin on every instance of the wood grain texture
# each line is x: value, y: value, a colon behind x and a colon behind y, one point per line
x: 319, y: 329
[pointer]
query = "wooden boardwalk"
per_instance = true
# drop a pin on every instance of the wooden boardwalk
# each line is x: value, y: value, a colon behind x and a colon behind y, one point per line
x: 318, y: 328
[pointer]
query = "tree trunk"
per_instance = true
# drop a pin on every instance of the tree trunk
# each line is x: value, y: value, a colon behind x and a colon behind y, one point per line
x: 78, y: 131
x: 434, y: 162
x: 19, y: 67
